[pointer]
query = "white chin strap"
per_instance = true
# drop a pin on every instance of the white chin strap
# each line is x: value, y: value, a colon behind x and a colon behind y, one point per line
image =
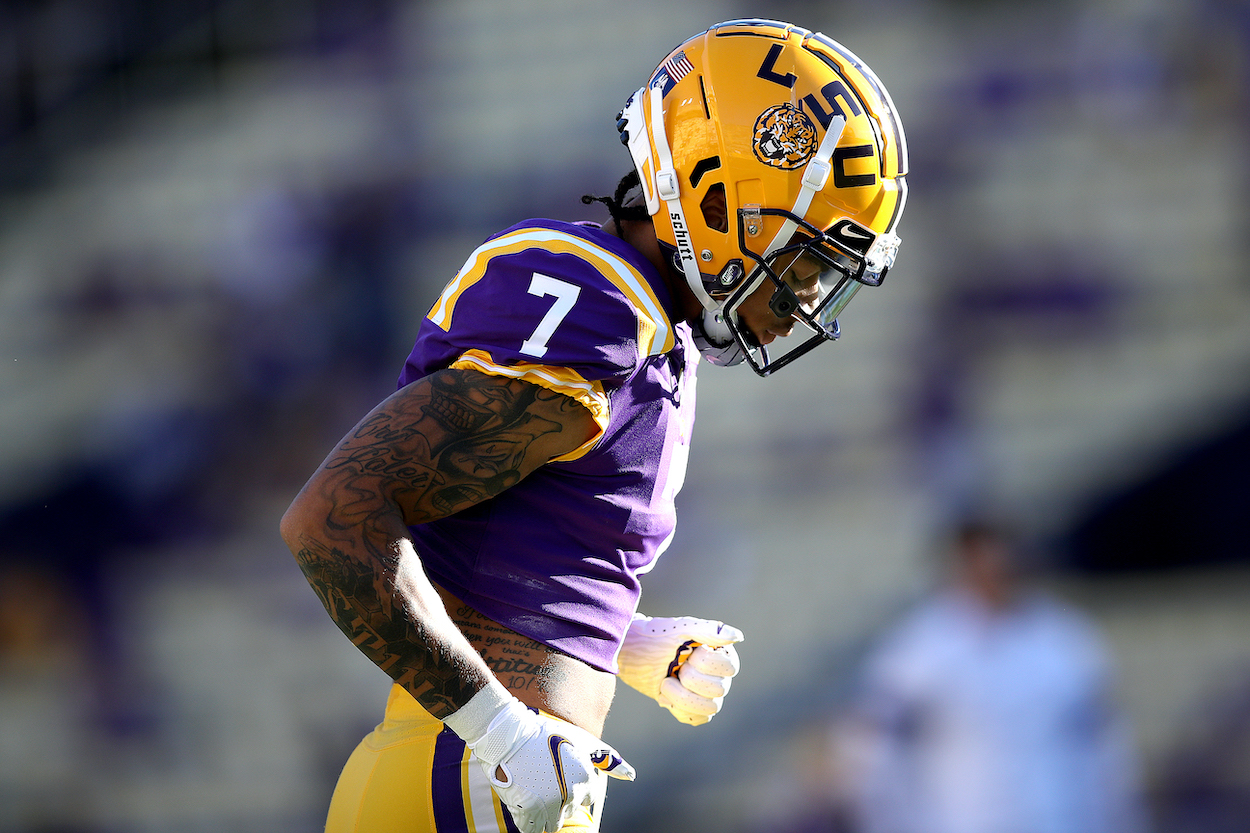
x: 815, y: 177
x: 660, y: 183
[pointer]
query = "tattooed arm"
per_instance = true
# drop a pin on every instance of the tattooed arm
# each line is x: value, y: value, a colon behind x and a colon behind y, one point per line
x: 435, y: 447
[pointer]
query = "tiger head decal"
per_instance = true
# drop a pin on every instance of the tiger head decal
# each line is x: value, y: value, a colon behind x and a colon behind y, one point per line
x: 784, y: 137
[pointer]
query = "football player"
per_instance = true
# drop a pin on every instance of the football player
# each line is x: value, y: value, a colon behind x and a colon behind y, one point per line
x: 480, y: 534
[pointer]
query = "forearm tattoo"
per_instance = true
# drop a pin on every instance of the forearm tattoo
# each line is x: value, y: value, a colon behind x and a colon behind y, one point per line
x: 426, y: 452
x: 360, y: 598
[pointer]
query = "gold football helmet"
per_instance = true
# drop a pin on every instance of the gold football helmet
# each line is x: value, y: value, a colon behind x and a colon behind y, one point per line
x: 758, y: 143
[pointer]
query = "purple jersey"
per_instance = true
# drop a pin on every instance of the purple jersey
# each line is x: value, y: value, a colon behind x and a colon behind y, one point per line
x: 558, y: 556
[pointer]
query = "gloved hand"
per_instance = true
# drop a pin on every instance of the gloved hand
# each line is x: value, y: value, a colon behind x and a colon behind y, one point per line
x: 685, y: 664
x: 541, y: 767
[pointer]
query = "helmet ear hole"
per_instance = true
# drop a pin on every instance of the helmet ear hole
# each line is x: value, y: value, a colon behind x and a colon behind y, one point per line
x: 715, y: 209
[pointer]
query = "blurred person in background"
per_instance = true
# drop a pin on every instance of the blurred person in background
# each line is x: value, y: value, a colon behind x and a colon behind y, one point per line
x: 480, y: 535
x: 988, y: 709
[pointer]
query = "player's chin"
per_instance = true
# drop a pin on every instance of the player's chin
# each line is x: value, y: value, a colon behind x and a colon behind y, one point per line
x: 776, y: 332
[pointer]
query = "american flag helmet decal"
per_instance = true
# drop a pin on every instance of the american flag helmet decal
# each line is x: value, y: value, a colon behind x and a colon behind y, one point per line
x: 671, y: 71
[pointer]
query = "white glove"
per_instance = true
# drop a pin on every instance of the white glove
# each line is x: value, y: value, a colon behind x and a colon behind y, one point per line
x: 542, y: 768
x: 684, y: 664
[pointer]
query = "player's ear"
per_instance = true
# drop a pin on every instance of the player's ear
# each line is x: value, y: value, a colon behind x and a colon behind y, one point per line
x: 714, y: 208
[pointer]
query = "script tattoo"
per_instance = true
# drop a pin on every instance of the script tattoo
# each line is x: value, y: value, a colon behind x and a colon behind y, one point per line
x: 517, y: 661
x: 431, y: 449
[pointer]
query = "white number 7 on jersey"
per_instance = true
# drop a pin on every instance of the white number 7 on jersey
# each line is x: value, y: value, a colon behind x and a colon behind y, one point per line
x: 565, y: 294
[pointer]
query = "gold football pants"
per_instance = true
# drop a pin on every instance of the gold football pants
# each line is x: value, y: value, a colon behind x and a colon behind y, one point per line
x: 412, y: 775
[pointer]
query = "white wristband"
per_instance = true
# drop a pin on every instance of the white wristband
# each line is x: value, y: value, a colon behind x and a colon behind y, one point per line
x: 473, y: 719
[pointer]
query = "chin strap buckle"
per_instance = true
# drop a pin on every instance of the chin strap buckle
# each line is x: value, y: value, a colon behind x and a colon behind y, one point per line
x: 666, y: 184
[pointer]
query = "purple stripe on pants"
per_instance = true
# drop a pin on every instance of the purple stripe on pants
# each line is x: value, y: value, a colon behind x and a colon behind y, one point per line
x: 445, y: 784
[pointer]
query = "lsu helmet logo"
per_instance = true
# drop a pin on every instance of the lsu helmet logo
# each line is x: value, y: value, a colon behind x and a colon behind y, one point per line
x: 784, y: 137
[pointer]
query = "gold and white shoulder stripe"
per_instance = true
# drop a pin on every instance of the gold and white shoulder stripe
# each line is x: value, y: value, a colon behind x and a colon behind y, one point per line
x: 655, y: 332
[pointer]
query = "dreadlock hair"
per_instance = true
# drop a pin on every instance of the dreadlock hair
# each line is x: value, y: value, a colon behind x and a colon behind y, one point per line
x: 616, y: 203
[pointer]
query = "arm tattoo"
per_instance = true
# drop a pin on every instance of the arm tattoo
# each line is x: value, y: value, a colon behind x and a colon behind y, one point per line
x: 434, y: 448
x: 361, y: 601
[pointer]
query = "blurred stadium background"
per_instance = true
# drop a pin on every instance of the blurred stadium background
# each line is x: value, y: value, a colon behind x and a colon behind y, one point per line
x: 220, y: 222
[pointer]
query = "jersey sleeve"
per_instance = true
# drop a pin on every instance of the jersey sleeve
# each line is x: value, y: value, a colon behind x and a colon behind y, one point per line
x: 548, y: 307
